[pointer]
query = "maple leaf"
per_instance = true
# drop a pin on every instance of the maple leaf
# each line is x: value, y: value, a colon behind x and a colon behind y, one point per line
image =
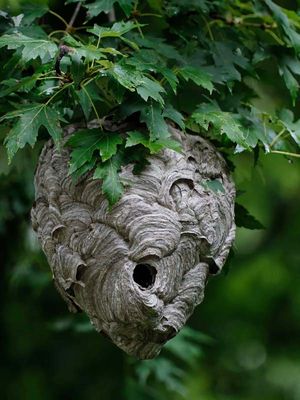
x: 32, y: 48
x: 112, y: 187
x: 199, y: 77
x: 27, y: 128
x: 85, y: 142
x: 222, y: 122
x: 152, y: 115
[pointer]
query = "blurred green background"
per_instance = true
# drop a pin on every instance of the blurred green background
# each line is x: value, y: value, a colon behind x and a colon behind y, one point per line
x: 243, y: 342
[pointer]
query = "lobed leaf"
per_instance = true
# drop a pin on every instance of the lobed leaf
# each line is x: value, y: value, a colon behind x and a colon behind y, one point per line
x: 153, y: 117
x: 116, y: 31
x: 198, y: 76
x: 32, y: 48
x: 136, y: 137
x: 112, y: 187
x: 85, y: 142
x: 223, y: 123
x: 150, y: 88
x: 27, y: 128
x: 99, y: 6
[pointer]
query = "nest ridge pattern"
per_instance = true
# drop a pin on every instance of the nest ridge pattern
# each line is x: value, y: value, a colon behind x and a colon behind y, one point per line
x: 139, y: 269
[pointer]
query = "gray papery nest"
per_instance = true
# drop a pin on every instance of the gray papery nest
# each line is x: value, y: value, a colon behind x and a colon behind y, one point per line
x: 139, y: 270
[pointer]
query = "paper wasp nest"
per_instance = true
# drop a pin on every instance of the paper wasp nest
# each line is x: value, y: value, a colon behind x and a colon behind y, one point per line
x: 139, y: 270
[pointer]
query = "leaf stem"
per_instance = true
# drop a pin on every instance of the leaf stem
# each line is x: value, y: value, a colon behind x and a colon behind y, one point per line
x: 59, y: 17
x: 93, y: 105
x: 55, y: 32
x: 50, y: 77
x: 98, y: 44
x: 139, y: 28
x: 277, y: 137
x: 275, y: 37
x: 59, y: 91
x: 150, y: 15
x: 286, y: 153
x: 208, y: 28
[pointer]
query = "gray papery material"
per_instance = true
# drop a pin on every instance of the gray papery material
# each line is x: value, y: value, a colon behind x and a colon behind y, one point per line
x: 139, y: 270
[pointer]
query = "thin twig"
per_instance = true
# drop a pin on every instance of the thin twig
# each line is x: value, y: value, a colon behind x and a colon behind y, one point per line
x: 112, y: 15
x: 93, y: 106
x: 73, y: 18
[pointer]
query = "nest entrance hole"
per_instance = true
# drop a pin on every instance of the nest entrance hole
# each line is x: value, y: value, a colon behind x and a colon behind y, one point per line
x: 144, y: 275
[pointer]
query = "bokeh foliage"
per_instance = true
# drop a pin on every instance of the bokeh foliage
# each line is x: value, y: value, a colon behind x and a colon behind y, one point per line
x: 243, y: 342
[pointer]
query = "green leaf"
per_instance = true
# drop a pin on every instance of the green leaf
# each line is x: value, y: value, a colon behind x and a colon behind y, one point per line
x: 254, y: 126
x: 18, y: 85
x: 290, y: 81
x: 32, y: 12
x: 84, y: 102
x: 116, y: 31
x: 198, y: 76
x: 89, y: 51
x: 32, y: 48
x: 99, y: 6
x: 126, y: 75
x: 166, y: 143
x: 186, y: 346
x: 127, y: 6
x: 27, y: 128
x: 165, y: 372
x: 150, y: 88
x: 112, y: 187
x: 50, y: 119
x: 85, y: 142
x: 158, y: 44
x: 108, y: 146
x: 169, y: 76
x: 227, y: 56
x: 174, y: 115
x: 85, y: 168
x: 152, y: 115
x: 244, y: 219
x: 136, y: 137
x: 223, y: 123
x: 287, y: 120
x: 283, y: 20
x: 77, y: 68
x: 132, y: 79
x: 87, y: 95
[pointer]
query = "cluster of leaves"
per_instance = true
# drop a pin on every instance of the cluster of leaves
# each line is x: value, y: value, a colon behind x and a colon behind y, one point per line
x: 137, y: 66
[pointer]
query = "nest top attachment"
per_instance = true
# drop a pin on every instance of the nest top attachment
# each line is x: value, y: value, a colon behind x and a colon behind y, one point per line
x: 138, y: 270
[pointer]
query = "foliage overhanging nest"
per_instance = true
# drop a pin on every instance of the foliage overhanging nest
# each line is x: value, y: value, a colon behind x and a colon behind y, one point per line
x: 193, y: 63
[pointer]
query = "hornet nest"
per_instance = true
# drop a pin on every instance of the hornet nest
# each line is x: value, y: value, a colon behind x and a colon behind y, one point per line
x: 139, y: 269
